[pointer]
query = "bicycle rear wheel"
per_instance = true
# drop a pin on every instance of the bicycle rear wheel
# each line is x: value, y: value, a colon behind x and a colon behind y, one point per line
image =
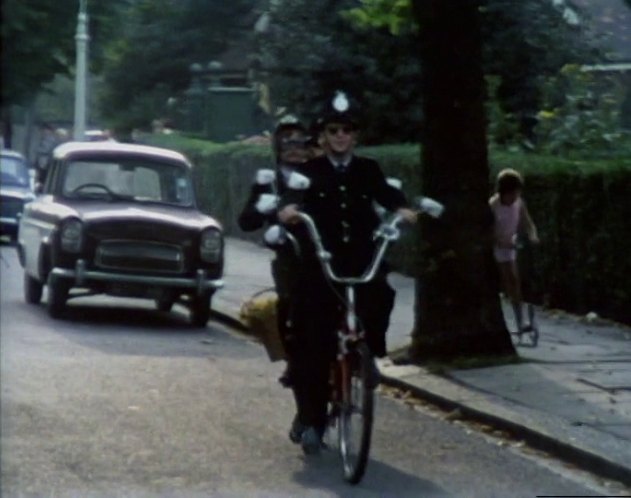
x: 356, y: 412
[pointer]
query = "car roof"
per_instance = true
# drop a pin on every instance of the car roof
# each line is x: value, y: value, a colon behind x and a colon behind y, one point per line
x: 12, y: 153
x: 69, y: 149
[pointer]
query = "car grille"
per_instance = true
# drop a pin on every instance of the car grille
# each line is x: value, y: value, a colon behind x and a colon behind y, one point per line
x: 10, y: 207
x: 127, y: 255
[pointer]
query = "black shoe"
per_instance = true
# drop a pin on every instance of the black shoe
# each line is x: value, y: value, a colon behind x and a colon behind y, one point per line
x: 295, y: 433
x: 311, y: 441
x: 374, y: 376
x: 285, y: 379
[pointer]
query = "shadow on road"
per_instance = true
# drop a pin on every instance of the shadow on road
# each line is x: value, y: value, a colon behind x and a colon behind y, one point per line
x: 117, y: 329
x: 381, y: 480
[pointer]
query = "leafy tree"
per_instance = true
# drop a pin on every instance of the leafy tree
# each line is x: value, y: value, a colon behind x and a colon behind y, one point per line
x: 581, y: 114
x: 313, y: 48
x: 38, y: 44
x: 149, y: 60
x: 523, y: 43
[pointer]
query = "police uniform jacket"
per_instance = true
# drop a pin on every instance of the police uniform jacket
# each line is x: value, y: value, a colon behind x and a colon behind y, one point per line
x: 340, y: 200
x: 251, y: 219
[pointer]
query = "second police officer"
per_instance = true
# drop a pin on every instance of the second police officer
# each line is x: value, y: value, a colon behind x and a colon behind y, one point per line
x: 289, y: 145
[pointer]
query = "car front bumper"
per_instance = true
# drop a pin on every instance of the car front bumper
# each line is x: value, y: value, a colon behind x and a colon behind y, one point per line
x: 82, y: 278
x: 9, y: 226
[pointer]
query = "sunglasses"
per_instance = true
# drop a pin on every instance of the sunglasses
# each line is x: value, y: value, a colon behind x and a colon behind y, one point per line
x: 333, y: 130
x: 293, y: 143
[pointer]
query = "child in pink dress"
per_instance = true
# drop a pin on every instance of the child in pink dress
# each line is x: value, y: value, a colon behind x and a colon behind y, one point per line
x: 511, y: 216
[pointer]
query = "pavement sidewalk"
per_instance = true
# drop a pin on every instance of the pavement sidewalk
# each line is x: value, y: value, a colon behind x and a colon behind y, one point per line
x: 572, y: 397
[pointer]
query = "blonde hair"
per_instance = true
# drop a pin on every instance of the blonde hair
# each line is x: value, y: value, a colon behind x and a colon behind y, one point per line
x: 509, y: 180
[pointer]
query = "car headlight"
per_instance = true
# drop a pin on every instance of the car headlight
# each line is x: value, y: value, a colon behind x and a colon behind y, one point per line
x: 71, y: 235
x: 210, y: 246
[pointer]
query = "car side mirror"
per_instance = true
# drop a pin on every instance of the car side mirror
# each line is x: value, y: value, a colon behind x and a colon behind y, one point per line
x: 297, y: 181
x: 265, y: 176
x: 394, y: 182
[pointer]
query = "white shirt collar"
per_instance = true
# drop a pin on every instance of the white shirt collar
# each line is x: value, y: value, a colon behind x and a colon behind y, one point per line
x: 344, y: 162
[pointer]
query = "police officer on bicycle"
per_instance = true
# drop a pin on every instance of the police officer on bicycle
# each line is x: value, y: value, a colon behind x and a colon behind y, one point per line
x: 289, y: 145
x: 340, y: 200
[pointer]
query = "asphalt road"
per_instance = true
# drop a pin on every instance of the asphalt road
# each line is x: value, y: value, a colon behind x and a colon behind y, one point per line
x: 119, y: 400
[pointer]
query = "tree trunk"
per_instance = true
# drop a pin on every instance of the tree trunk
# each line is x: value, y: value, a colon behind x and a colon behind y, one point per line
x: 458, y: 308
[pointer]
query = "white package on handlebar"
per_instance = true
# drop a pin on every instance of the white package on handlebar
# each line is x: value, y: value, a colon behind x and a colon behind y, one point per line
x: 431, y: 207
x: 274, y: 235
x: 265, y: 176
x: 296, y: 181
x: 394, y: 182
x: 267, y: 203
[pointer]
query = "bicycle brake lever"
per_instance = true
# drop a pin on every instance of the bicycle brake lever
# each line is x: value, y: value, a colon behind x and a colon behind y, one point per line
x: 387, y: 232
x: 324, y: 255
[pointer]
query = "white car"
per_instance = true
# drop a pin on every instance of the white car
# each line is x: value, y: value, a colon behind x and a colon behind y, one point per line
x: 16, y: 189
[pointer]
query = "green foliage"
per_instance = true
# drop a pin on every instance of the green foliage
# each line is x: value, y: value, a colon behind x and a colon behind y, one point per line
x: 581, y: 114
x: 524, y: 42
x: 395, y: 15
x: 148, y: 61
x: 38, y: 43
x: 580, y: 206
x: 314, y: 48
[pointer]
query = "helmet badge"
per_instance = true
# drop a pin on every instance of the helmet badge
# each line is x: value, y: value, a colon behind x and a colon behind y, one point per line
x: 340, y: 102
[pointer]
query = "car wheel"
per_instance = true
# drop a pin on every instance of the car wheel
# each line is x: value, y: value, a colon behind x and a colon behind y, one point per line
x: 58, y: 290
x: 32, y: 289
x: 200, y: 309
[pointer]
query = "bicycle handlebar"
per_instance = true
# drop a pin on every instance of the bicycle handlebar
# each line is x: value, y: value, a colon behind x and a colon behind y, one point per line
x: 387, y: 232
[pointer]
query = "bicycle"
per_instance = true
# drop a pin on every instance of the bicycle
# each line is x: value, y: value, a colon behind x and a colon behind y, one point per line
x: 352, y: 383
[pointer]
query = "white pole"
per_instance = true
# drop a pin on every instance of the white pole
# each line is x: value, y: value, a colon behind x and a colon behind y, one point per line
x: 82, y: 39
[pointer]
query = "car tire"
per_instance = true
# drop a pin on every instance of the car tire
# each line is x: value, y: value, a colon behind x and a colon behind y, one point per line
x: 200, y: 309
x: 58, y: 291
x: 32, y: 289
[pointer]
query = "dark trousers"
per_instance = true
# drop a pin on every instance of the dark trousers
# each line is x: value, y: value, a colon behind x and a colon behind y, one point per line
x: 284, y: 275
x: 319, y: 310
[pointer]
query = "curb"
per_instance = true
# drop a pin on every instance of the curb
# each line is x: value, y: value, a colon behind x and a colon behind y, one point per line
x: 584, y: 458
x: 226, y: 319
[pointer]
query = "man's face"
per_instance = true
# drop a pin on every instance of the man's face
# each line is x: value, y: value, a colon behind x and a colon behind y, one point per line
x: 339, y: 138
x: 293, y: 148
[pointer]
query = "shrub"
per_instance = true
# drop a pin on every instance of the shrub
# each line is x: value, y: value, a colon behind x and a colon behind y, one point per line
x: 581, y: 208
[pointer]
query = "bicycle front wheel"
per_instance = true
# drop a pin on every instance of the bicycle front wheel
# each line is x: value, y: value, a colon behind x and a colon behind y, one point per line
x: 356, y: 412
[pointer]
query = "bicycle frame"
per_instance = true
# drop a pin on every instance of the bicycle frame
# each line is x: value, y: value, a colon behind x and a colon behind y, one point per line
x: 353, y: 357
x: 388, y: 233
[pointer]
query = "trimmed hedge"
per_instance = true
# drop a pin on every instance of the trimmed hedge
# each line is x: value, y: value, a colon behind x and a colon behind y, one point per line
x: 582, y: 209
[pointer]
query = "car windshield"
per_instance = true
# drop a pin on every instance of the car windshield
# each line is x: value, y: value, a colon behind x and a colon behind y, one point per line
x: 14, y: 172
x: 141, y: 180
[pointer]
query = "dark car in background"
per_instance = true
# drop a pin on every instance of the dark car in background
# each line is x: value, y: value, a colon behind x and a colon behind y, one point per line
x: 16, y: 189
x: 121, y: 220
